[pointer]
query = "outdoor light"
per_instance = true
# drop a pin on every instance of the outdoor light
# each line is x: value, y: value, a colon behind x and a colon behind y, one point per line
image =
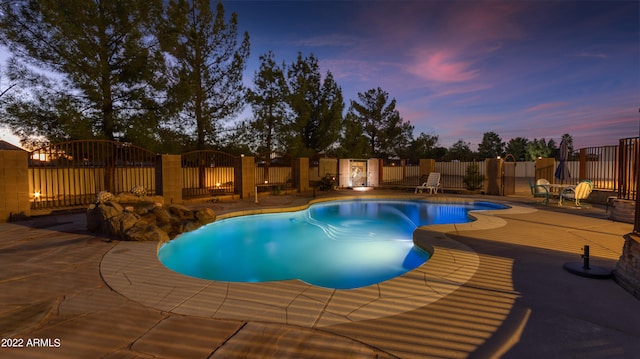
x: 498, y: 157
x: 36, y: 195
x: 362, y: 189
x: 265, y: 181
x: 217, y: 184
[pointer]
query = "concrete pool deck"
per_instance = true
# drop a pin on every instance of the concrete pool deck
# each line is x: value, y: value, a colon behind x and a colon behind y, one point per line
x: 494, y: 288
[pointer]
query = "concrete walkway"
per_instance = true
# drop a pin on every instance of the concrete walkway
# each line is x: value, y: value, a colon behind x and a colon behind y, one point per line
x: 494, y: 288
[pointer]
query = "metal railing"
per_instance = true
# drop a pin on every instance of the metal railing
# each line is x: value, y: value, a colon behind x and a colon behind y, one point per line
x: 274, y: 171
x: 400, y: 172
x: 73, y: 173
x: 452, y: 173
x: 208, y: 173
x: 627, y: 168
x: 600, y: 166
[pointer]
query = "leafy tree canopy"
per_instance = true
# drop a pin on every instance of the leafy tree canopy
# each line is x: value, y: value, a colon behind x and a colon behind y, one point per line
x: 491, y: 146
x: 518, y: 148
x: 540, y: 148
x: 460, y: 151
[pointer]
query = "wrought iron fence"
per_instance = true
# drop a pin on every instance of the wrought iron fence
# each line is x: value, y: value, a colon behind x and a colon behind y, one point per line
x: 452, y: 174
x: 400, y: 172
x: 274, y: 171
x: 628, y: 168
x: 600, y: 166
x: 72, y: 173
x: 208, y: 173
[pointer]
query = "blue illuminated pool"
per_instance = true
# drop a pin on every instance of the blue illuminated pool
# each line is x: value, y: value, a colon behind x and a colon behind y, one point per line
x: 338, y: 244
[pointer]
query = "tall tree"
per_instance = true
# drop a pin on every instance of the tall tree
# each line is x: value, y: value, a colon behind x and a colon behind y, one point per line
x: 460, y: 151
x: 208, y: 66
x: 316, y: 105
x: 268, y: 100
x: 352, y: 143
x: 386, y: 132
x: 98, y: 67
x: 491, y: 145
x: 540, y: 148
x: 425, y: 146
x: 518, y: 148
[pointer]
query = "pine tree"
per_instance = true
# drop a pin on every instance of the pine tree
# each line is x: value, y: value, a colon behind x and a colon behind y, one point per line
x: 384, y: 129
x: 98, y: 68
x: 208, y: 65
x: 316, y: 105
x: 270, y: 109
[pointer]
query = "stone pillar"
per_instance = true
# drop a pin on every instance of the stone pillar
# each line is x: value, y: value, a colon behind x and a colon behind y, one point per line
x: 301, y: 174
x: 14, y: 184
x: 427, y: 166
x: 169, y: 178
x: 494, y: 176
x: 627, y: 272
x: 245, y: 178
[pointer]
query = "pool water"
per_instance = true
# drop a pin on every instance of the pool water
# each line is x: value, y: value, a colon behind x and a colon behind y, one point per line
x: 338, y: 244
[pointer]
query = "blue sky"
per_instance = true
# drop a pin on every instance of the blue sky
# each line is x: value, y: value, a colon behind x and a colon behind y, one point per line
x: 528, y: 69
x: 459, y: 69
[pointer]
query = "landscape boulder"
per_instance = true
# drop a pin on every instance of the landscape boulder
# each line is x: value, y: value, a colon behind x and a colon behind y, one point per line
x: 132, y: 217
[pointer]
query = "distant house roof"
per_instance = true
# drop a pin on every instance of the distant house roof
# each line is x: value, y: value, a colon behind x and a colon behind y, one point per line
x: 4, y: 145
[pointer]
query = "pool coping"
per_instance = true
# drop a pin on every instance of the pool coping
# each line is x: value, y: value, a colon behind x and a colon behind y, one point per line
x: 133, y: 270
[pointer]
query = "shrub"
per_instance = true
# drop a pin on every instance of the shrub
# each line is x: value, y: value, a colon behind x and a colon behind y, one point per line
x: 473, y: 180
x: 327, y: 183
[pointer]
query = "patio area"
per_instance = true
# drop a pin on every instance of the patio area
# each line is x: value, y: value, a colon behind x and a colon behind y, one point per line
x: 494, y: 288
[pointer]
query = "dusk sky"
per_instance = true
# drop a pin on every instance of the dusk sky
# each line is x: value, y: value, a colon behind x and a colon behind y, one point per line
x: 528, y: 69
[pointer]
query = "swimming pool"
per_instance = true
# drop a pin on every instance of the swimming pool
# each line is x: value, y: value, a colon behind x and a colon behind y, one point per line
x: 338, y: 244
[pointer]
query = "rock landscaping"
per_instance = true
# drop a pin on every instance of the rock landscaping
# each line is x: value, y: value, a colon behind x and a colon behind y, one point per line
x: 137, y: 217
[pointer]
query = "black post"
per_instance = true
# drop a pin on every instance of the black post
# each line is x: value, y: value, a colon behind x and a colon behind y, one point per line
x: 585, y: 257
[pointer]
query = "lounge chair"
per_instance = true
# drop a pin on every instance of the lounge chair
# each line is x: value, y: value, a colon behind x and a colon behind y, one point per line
x: 577, y: 193
x: 540, y: 189
x: 431, y: 185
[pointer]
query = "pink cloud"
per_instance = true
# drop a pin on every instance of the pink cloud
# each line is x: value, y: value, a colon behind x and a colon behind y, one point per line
x: 442, y: 66
x: 592, y: 55
x: 544, y: 106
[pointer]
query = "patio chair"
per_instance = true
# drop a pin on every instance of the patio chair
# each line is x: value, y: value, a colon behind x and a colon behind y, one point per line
x: 540, y: 189
x: 577, y: 193
x: 431, y: 185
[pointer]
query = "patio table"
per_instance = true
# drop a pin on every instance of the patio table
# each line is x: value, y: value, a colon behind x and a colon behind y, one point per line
x: 560, y: 187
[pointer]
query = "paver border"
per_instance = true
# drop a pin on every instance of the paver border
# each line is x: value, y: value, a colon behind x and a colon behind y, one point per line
x: 133, y: 270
